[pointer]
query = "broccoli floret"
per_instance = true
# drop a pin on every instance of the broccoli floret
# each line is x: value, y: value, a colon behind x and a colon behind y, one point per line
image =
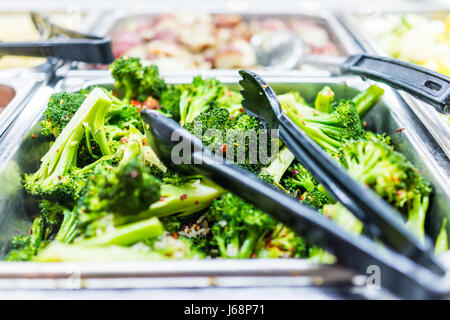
x: 136, y: 81
x: 281, y: 243
x: 217, y: 119
x: 58, y: 179
x: 300, y: 183
x: 60, y: 109
x: 170, y: 101
x: 331, y: 130
x: 344, y: 218
x: 232, y: 101
x: 391, y: 176
x: 238, y: 226
x: 24, y: 248
x: 198, y: 97
x: 127, y: 189
x: 237, y: 139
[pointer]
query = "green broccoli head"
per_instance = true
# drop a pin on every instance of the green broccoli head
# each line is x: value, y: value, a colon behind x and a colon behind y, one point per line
x: 136, y: 81
x: 60, y: 109
x: 281, y: 242
x: 65, y: 190
x: 237, y: 226
x: 127, y: 189
x: 391, y: 176
x: 24, y: 248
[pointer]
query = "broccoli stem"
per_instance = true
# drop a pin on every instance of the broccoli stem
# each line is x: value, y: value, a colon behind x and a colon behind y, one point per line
x: 190, y: 197
x: 62, y: 154
x: 68, y: 230
x: 58, y: 252
x: 416, y: 216
x: 365, y: 100
x: 317, y: 135
x: 442, y: 239
x: 280, y: 164
x: 324, y: 100
x: 127, y: 234
x: 37, y: 230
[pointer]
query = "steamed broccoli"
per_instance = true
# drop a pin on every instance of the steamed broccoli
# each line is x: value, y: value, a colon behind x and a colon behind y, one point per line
x: 124, y: 190
x: 299, y: 182
x: 58, y: 179
x: 391, y: 176
x: 281, y: 243
x: 60, y: 109
x: 24, y: 248
x: 235, y: 138
x: 238, y: 226
x: 136, y: 81
x: 331, y: 130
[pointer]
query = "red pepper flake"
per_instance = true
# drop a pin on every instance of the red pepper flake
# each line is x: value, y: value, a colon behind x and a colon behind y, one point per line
x: 68, y: 116
x: 93, y: 147
x: 144, y: 141
x: 253, y: 255
x: 33, y: 136
x: 196, y: 202
x: 135, y: 103
x: 303, y: 197
x: 294, y: 172
x: 59, y: 178
x: 264, y: 86
x: 123, y: 140
x: 162, y: 199
x: 223, y: 148
x: 241, y: 109
x: 175, y: 235
x: 183, y: 197
x: 399, y: 130
x: 31, y: 230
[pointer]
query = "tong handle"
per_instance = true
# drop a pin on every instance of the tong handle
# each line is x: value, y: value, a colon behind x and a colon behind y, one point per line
x: 427, y: 85
x: 85, y: 50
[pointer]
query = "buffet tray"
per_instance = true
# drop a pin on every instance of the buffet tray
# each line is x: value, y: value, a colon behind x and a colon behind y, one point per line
x: 433, y: 121
x: 23, y: 146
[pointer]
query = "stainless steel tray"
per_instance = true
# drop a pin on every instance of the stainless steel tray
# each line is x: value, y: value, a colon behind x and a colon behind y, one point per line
x: 434, y: 122
x: 21, y: 153
x: 317, y: 14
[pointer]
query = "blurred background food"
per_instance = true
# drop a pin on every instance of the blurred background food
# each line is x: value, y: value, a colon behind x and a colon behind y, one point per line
x: 18, y: 26
x: 420, y: 39
x: 205, y: 41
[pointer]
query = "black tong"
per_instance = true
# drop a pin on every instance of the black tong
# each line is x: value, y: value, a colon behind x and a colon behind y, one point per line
x: 70, y: 45
x: 397, y: 273
x: 379, y: 218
